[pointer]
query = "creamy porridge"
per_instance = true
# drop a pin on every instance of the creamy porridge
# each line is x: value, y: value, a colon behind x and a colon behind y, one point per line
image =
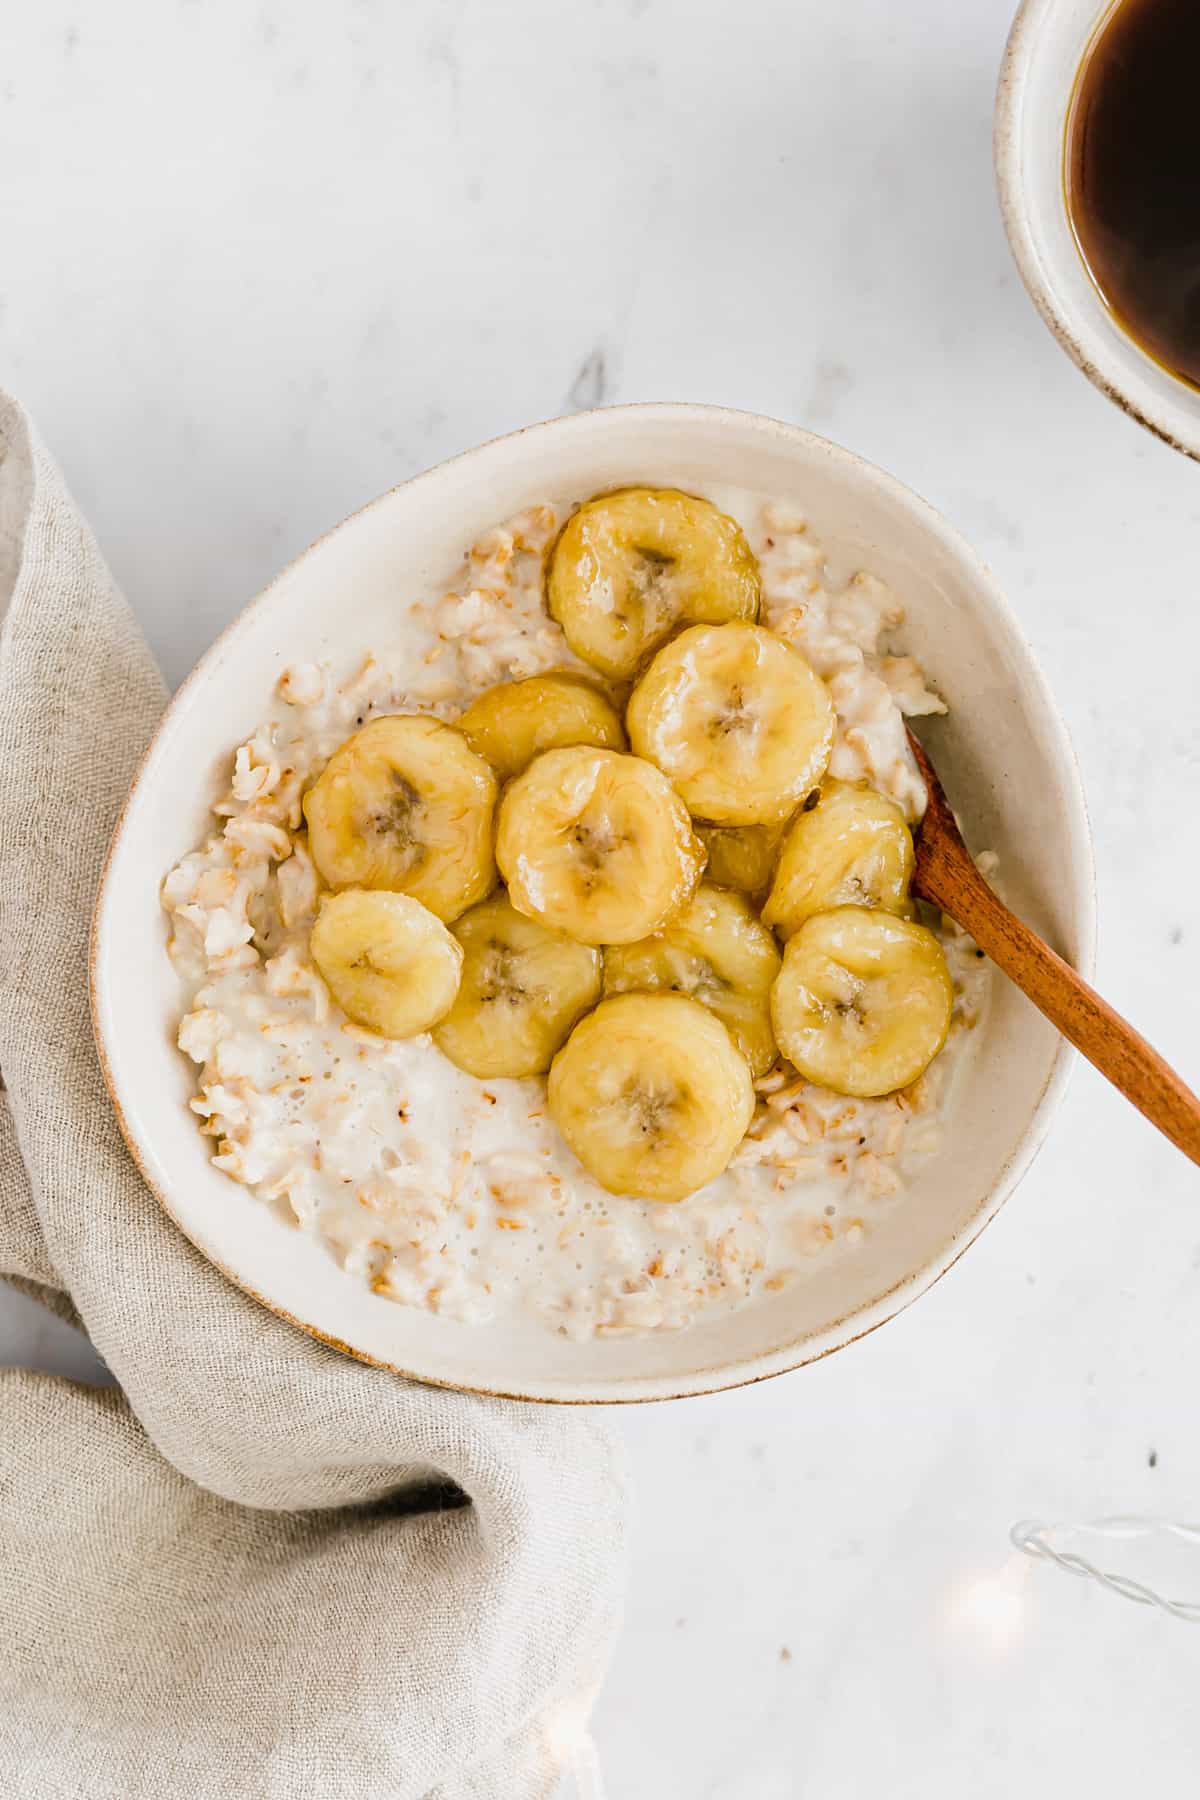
x: 458, y: 1193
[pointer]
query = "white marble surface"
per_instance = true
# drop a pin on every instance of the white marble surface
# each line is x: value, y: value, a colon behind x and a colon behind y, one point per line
x: 258, y: 264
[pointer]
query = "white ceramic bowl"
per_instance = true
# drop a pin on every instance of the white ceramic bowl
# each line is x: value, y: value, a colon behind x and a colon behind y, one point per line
x: 1006, y: 760
x: 1037, y: 78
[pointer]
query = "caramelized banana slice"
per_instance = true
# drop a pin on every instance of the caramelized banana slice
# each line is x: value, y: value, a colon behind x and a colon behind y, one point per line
x: 514, y: 722
x: 523, y: 988
x: 741, y: 856
x: 629, y: 566
x: 737, y: 720
x: 596, y: 844
x: 718, y: 951
x: 387, y: 961
x: 851, y: 848
x: 651, y: 1095
x: 862, y: 1003
x: 406, y: 804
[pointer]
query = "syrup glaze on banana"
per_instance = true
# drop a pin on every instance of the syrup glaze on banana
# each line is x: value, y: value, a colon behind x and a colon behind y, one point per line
x: 629, y: 567
x: 596, y: 844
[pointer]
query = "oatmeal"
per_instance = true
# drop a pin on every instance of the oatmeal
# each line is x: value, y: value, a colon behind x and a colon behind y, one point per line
x: 457, y: 1191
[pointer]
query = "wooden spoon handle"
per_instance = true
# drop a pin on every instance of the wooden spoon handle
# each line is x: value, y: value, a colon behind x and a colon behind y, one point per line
x: 1099, y: 1033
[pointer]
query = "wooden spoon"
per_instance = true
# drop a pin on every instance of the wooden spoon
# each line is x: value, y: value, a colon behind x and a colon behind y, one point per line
x: 946, y: 875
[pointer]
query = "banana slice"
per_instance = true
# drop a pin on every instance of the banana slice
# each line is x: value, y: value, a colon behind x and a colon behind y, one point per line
x: 862, y: 1003
x: 511, y: 724
x: 741, y: 856
x: 737, y: 720
x: 651, y: 1095
x: 849, y: 846
x: 717, y: 951
x: 627, y: 567
x: 388, y: 962
x: 596, y: 844
x: 406, y: 804
x: 523, y: 988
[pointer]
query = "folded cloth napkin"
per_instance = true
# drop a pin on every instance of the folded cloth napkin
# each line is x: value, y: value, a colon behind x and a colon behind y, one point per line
x: 259, y: 1569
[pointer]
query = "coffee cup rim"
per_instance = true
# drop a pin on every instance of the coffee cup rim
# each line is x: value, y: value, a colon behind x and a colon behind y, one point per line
x: 1046, y: 47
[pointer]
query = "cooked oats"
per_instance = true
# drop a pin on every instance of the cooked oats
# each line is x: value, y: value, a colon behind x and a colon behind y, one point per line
x: 440, y: 1191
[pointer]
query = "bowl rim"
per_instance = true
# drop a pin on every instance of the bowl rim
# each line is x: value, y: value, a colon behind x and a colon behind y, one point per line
x: 1172, y: 425
x: 860, y: 1321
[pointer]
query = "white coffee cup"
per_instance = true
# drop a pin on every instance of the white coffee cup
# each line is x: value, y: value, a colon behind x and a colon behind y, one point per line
x: 1046, y: 47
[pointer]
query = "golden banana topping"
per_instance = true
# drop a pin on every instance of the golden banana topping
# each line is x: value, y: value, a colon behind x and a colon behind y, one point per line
x: 388, y: 962
x: 629, y: 566
x: 849, y: 846
x: 862, y: 1003
x: 651, y: 1095
x: 717, y: 951
x: 596, y: 844
x: 523, y: 988
x: 741, y: 856
x: 737, y: 719
x: 514, y: 722
x: 406, y: 804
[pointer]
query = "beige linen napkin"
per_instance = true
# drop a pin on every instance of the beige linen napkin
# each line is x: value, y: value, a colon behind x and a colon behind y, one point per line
x: 261, y: 1569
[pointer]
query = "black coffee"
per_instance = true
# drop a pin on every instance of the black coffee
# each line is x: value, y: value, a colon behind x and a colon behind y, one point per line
x: 1133, y: 174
